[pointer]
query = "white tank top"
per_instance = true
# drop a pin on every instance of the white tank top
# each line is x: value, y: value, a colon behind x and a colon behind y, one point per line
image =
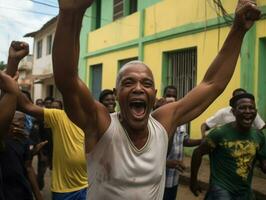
x: 117, y: 170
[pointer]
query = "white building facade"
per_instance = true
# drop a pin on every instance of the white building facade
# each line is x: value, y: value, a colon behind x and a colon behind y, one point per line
x: 42, y: 71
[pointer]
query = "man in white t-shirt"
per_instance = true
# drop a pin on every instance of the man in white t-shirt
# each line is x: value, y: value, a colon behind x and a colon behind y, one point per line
x: 225, y: 115
x: 126, y: 151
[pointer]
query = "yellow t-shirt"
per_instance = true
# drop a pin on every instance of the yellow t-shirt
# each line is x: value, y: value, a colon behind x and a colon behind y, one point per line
x: 69, y: 164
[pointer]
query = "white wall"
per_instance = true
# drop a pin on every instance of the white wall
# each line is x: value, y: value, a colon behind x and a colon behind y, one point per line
x: 37, y: 91
x: 43, y: 65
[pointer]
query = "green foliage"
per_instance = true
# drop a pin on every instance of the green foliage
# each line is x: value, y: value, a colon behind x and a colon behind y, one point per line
x: 2, y: 65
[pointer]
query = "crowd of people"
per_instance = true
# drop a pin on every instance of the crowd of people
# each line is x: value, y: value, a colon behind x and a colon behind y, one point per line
x: 97, y: 151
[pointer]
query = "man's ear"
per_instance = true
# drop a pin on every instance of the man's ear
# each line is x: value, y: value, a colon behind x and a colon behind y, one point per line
x: 233, y: 110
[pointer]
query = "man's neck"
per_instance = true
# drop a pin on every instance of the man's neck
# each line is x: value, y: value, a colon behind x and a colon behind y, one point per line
x: 240, y: 128
x: 138, y: 137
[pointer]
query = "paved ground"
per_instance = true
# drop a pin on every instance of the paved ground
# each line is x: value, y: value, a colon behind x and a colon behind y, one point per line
x: 183, y: 191
x: 182, y: 194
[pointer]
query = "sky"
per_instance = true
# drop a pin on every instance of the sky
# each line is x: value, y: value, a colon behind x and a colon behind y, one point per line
x: 19, y: 17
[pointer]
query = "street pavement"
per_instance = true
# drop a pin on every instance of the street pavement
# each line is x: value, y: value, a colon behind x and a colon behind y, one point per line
x: 183, y: 190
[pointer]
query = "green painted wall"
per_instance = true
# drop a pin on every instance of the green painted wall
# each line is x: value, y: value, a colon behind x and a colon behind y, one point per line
x: 261, y: 78
x: 248, y: 60
x: 146, y: 3
x: 89, y: 24
x: 86, y: 27
x: 107, y: 12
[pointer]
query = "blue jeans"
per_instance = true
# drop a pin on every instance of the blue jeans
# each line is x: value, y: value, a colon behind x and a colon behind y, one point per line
x: 76, y: 195
x: 215, y: 192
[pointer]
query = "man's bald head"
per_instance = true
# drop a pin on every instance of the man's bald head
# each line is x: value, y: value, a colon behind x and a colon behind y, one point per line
x: 129, y: 65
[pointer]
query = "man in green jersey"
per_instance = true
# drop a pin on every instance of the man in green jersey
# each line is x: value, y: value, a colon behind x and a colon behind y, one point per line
x: 233, y: 149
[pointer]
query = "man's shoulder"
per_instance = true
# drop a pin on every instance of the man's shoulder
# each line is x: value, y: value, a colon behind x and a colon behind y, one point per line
x: 224, y: 127
x: 258, y: 134
x: 222, y: 130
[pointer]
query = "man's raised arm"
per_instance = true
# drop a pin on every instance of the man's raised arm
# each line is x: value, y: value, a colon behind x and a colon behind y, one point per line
x: 17, y: 51
x: 79, y: 103
x: 8, y: 102
x: 217, y: 76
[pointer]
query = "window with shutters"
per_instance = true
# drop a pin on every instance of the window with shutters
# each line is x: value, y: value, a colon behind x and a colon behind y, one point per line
x: 39, y: 49
x: 96, y: 80
x: 98, y: 14
x: 49, y: 44
x: 132, y: 6
x: 118, y: 9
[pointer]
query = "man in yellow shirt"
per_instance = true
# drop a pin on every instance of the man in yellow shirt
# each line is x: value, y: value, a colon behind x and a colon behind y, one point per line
x: 69, y: 174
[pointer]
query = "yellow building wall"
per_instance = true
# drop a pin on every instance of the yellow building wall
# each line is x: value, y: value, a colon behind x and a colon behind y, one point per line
x: 173, y: 13
x: 164, y: 16
x: 109, y: 62
x: 207, y: 49
x: 121, y: 30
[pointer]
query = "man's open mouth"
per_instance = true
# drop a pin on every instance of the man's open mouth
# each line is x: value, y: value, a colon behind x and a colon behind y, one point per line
x: 111, y: 106
x: 138, y: 108
x: 248, y: 120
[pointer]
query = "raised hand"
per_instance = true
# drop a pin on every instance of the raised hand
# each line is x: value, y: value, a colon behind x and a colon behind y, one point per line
x: 18, y: 50
x: 246, y: 13
x: 8, y: 84
x: 72, y: 5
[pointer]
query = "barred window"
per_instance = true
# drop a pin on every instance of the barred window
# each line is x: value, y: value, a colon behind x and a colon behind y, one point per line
x: 182, y: 70
x: 96, y: 80
x: 39, y: 49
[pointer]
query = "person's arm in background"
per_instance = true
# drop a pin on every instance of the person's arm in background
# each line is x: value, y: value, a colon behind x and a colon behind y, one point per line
x: 197, y: 155
x: 31, y: 173
x: 26, y: 106
x: 191, y: 142
x: 17, y: 51
x: 33, y: 180
x: 8, y: 101
x: 8, y: 86
x: 176, y: 164
x: 203, y: 128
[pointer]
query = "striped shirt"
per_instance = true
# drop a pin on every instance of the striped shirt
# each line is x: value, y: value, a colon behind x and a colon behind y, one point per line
x: 176, y: 153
